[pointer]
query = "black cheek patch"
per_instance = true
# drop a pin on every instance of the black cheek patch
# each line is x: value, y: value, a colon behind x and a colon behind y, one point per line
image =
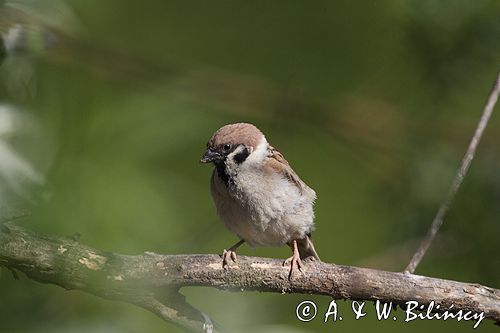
x: 242, y: 156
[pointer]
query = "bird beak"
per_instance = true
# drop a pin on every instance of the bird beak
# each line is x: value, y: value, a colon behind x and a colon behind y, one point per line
x: 210, y: 156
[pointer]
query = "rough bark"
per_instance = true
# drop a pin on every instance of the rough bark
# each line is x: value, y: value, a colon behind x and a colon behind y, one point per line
x: 152, y: 280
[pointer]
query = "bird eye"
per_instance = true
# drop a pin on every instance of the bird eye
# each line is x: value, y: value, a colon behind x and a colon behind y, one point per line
x: 226, y: 147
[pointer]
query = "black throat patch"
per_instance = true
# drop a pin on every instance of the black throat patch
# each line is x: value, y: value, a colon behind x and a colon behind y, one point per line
x: 222, y: 172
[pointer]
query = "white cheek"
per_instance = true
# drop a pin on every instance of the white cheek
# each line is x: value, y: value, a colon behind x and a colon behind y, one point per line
x: 259, y: 153
x: 255, y: 157
x: 230, y: 162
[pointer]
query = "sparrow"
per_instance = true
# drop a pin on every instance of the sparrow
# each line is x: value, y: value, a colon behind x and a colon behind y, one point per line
x: 257, y: 194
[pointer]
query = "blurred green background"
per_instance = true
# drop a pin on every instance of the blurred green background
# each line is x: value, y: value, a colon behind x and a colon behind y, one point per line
x: 106, y: 107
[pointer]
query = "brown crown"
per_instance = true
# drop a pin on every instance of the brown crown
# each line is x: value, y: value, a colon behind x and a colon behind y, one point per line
x: 235, y: 134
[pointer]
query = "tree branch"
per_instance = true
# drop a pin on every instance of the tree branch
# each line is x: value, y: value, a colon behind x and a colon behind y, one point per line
x: 65, y: 262
x: 152, y: 281
x: 459, y: 178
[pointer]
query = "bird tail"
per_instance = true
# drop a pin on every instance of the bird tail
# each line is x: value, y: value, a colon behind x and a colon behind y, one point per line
x: 306, y: 248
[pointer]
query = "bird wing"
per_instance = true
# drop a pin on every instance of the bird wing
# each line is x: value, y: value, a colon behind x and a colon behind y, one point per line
x: 280, y: 165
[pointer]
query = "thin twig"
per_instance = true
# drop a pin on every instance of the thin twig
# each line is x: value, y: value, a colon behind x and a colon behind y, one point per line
x: 457, y: 181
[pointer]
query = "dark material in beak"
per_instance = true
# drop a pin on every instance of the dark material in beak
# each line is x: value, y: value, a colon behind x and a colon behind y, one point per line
x: 210, y: 156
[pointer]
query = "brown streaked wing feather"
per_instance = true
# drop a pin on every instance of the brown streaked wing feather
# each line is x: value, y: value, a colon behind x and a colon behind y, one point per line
x: 278, y: 163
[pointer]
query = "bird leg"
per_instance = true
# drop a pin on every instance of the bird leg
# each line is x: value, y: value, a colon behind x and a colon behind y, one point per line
x: 294, y: 260
x: 231, y: 253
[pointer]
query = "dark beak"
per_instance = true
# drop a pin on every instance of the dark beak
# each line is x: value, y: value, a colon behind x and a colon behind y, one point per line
x: 210, y: 156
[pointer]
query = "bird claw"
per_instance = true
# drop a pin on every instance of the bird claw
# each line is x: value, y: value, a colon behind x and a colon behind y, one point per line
x: 226, y: 255
x: 310, y: 259
x: 294, y: 261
